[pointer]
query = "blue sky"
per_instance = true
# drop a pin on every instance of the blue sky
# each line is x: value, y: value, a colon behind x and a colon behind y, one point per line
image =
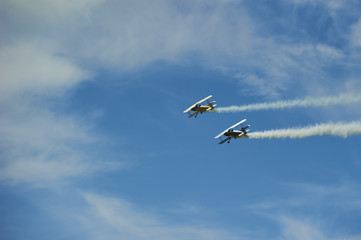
x: 94, y: 143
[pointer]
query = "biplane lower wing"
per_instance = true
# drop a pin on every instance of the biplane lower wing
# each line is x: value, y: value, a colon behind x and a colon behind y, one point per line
x: 191, y: 115
x: 225, y: 140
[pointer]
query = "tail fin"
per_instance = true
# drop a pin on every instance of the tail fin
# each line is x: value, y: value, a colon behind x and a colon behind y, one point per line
x: 212, y: 105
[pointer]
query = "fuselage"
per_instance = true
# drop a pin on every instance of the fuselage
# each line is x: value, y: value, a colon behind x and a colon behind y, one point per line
x: 235, y: 134
x: 201, y: 108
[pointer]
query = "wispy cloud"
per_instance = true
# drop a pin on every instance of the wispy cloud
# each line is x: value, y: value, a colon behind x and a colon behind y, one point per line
x: 33, y: 69
x: 165, y: 31
x: 145, y: 32
x: 301, y: 229
x: 129, y: 222
x: 40, y: 145
x: 227, y: 33
x: 356, y: 34
x: 304, y: 196
x: 303, y: 212
x: 276, y: 67
x: 46, y: 46
x: 122, y: 218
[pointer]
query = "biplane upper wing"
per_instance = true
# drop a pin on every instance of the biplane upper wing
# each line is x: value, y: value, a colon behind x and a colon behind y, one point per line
x: 188, y: 109
x: 235, y: 125
x: 221, y: 133
x: 240, y: 122
x: 204, y: 99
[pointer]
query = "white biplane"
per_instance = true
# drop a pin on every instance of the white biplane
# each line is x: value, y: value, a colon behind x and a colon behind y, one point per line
x: 230, y: 132
x: 198, y: 108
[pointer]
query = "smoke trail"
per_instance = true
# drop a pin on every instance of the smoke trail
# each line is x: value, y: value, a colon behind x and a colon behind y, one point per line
x: 338, y: 129
x: 307, y: 102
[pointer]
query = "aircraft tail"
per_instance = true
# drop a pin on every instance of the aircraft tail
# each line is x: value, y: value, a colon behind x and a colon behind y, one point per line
x: 212, y: 105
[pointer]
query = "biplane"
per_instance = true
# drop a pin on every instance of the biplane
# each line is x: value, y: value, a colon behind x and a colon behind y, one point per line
x: 198, y: 108
x: 230, y: 132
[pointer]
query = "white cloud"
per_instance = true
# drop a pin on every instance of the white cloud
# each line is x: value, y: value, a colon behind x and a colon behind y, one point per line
x: 49, y: 13
x: 130, y: 34
x: 275, y: 68
x: 128, y: 222
x: 265, y: 86
x: 300, y: 230
x: 146, y: 32
x: 43, y: 170
x: 37, y: 144
x: 42, y: 148
x: 313, y: 195
x: 28, y: 68
x: 356, y: 34
x: 46, y: 44
x: 330, y: 4
x: 304, y: 213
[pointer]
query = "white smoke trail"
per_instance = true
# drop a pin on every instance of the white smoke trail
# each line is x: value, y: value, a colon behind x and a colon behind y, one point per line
x: 338, y: 129
x: 307, y: 102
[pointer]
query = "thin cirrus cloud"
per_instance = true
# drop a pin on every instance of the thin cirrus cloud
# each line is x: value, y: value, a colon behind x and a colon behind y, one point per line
x: 43, y: 54
x: 126, y: 221
x: 297, y: 229
x: 39, y: 145
x: 313, y: 200
x: 356, y: 34
x: 146, y: 32
x: 49, y: 62
x: 48, y: 43
x: 122, y: 218
x: 33, y: 69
